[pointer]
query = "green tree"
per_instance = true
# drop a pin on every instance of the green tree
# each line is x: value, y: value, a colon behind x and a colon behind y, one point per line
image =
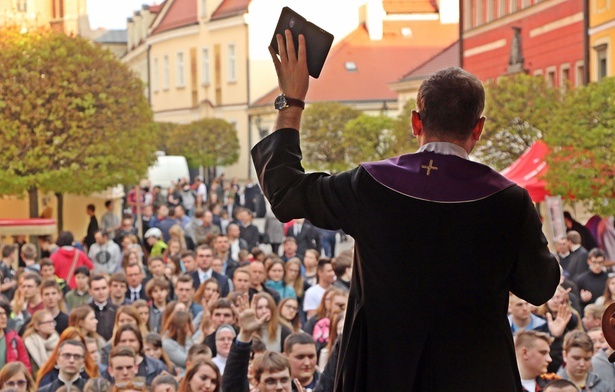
x: 519, y: 111
x: 405, y: 142
x: 369, y: 138
x: 322, y: 136
x: 582, y: 157
x: 208, y: 142
x: 73, y: 118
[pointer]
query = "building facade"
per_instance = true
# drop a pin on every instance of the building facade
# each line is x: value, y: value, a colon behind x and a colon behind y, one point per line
x: 538, y: 37
x: 601, y: 39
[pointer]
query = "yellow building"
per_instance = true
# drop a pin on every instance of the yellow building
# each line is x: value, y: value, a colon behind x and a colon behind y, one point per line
x: 601, y: 39
x: 68, y: 16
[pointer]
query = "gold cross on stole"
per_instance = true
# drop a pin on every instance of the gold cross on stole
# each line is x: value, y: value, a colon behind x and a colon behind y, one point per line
x: 429, y: 167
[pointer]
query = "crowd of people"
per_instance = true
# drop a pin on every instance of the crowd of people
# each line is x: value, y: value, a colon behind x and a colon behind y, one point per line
x: 564, y: 339
x: 195, y: 304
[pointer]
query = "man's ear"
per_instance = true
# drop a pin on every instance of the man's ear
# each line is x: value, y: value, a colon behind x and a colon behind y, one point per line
x: 417, y: 124
x: 478, y: 129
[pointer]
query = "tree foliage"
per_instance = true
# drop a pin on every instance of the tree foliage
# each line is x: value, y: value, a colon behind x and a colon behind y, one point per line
x: 322, y: 136
x: 582, y: 140
x: 208, y: 142
x: 369, y: 138
x: 73, y: 118
x: 519, y: 111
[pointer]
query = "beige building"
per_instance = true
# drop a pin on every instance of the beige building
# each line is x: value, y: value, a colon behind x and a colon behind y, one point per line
x: 68, y: 16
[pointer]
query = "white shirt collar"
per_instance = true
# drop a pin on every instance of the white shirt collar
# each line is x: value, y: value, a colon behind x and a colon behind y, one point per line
x: 445, y: 148
x: 137, y: 289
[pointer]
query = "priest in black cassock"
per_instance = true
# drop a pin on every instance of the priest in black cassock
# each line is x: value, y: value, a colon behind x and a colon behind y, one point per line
x: 439, y: 242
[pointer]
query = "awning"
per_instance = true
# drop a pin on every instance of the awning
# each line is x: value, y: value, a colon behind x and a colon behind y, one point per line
x: 528, y: 171
x: 34, y: 226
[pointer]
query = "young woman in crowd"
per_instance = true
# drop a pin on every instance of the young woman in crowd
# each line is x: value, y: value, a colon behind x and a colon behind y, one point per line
x: 275, y: 279
x: 203, y: 376
x: 129, y: 258
x: 169, y: 310
x: 323, y: 310
x: 48, y: 372
x: 224, y: 339
x: 15, y: 348
x: 337, y: 326
x: 84, y: 319
x: 126, y: 314
x: 288, y: 311
x: 272, y: 332
x: 294, y: 278
x: 40, y: 338
x: 177, y: 337
x: 322, y: 328
x: 129, y: 335
x: 609, y: 293
x: 179, y: 234
x: 152, y: 347
x: 174, y: 249
x: 143, y: 309
x: 208, y: 293
x: 15, y: 375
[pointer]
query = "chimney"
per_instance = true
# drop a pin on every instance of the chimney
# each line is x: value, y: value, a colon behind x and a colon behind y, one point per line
x: 374, y: 19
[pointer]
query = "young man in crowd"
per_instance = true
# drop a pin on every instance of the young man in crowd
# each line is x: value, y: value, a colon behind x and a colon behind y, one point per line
x: 9, y: 284
x: 104, y: 310
x: 47, y: 245
x: 52, y: 298
x: 592, y: 316
x: 241, y: 279
x: 104, y: 253
x: 184, y: 289
x: 123, y: 366
x: 48, y: 271
x: 28, y: 255
x: 110, y: 222
x: 578, y: 352
x: 248, y: 232
x: 30, y: 288
x: 118, y: 286
x: 343, y: 272
x: 69, y: 361
x: 158, y: 290
x: 521, y: 317
x: 591, y: 283
x: 223, y: 252
x: 79, y: 295
x: 135, y: 276
x: 257, y: 279
x: 220, y: 315
x: 236, y: 242
x: 188, y: 258
x: 156, y: 268
x: 313, y: 295
x: 204, y: 258
x: 532, y: 349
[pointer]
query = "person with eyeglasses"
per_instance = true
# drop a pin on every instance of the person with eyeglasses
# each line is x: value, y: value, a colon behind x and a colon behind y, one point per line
x: 40, y: 338
x: 69, y: 361
x: 11, y: 345
x: 15, y: 375
x: 592, y: 282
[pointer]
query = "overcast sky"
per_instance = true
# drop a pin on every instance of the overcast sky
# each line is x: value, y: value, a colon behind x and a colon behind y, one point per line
x: 112, y: 14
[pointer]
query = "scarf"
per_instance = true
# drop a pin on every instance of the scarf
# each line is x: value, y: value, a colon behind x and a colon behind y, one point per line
x: 39, y: 348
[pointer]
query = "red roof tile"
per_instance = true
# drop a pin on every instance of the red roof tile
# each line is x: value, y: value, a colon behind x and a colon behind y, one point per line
x: 449, y: 57
x: 230, y: 8
x: 154, y: 9
x: 409, y: 6
x: 181, y: 13
x: 378, y: 63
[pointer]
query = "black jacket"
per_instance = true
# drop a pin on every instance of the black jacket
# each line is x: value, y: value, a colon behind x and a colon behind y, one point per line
x: 106, y: 319
x: 223, y: 280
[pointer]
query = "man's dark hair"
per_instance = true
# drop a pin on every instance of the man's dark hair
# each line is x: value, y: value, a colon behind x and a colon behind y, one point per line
x: 81, y: 270
x: 46, y: 238
x: 46, y: 262
x: 119, y: 277
x: 574, y: 237
x: 98, y: 277
x: 108, y: 203
x: 198, y: 349
x: 596, y: 252
x: 187, y: 253
x: 164, y: 379
x: 297, y: 338
x: 35, y: 276
x: 450, y: 103
x: 223, y: 303
x: 65, y: 238
x: 322, y: 262
x: 72, y: 342
x: 103, y: 233
x: 559, y: 384
x: 341, y: 264
x: 185, y: 278
x: 8, y: 250
x: 91, y: 207
x: 50, y: 283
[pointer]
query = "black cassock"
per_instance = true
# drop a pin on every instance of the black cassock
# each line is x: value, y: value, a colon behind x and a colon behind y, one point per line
x: 439, y: 243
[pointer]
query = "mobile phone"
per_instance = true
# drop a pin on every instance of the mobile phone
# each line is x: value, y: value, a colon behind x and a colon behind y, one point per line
x: 317, y: 41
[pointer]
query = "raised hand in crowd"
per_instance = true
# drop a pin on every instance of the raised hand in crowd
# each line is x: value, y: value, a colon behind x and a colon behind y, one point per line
x: 248, y: 323
x: 558, y: 325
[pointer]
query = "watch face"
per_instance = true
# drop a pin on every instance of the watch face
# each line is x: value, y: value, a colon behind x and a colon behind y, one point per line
x: 280, y: 102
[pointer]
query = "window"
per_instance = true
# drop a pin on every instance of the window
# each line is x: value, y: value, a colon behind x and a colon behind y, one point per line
x: 601, y: 61
x: 478, y: 19
x: 513, y: 5
x: 538, y: 72
x: 579, y: 74
x: 232, y: 63
x: 181, y: 70
x: 22, y: 5
x: 564, y: 76
x: 155, y: 76
x: 502, y: 8
x: 165, y: 72
x: 551, y: 81
x: 467, y: 14
x: 205, y: 66
x: 490, y: 10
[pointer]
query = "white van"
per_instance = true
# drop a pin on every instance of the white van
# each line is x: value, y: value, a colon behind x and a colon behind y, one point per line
x: 167, y: 169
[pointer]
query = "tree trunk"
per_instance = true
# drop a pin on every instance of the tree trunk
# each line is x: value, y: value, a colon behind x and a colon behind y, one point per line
x: 60, y: 200
x: 33, y: 197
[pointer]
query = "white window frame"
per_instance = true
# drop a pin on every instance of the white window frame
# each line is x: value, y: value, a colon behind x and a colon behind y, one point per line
x: 155, y: 75
x: 180, y: 77
x: 502, y: 8
x: 563, y: 69
x: 231, y: 52
x: 579, y: 73
x: 538, y: 72
x: 205, y: 66
x: 166, y: 71
x: 551, y: 70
